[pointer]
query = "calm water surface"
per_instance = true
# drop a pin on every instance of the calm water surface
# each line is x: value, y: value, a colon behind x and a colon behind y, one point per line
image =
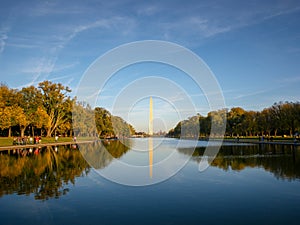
x: 246, y: 184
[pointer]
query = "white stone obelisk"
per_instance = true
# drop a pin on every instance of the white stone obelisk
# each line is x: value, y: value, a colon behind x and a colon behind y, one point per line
x: 151, y: 117
x: 150, y: 141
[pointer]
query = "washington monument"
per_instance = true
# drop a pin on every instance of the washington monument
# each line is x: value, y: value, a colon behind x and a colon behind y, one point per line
x: 150, y: 143
x: 150, y: 117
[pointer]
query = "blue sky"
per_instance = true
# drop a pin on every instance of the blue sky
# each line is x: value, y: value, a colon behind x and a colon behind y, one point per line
x: 252, y: 47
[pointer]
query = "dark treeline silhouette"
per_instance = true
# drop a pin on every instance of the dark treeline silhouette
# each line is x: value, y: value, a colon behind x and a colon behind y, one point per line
x: 47, y: 110
x: 281, y: 119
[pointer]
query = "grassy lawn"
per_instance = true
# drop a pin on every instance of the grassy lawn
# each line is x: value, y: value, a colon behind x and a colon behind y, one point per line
x: 52, y: 140
x: 5, y: 141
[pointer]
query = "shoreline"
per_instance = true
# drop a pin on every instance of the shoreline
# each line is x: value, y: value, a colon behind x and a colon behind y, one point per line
x: 12, y: 147
x: 258, y: 142
x: 240, y: 141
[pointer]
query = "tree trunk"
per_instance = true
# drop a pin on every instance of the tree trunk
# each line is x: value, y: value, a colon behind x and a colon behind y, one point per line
x: 49, y: 132
x: 22, y: 129
x: 9, y: 132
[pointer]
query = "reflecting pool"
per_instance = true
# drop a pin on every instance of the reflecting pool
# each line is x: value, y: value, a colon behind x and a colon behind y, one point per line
x: 245, y: 184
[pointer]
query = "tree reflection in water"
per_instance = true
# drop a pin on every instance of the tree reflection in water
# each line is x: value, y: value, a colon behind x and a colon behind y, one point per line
x: 100, y: 154
x: 47, y: 172
x: 281, y: 160
x: 44, y: 172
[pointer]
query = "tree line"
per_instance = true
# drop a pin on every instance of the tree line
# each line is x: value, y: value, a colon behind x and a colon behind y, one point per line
x: 280, y: 119
x: 48, y: 110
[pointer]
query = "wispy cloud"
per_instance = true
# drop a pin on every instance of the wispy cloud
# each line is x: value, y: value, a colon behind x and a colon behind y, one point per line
x: 102, y: 23
x: 220, y: 19
x: 46, y: 8
x: 37, y: 79
x: 19, y: 45
x: 63, y: 67
x: 148, y: 9
x: 122, y: 25
x: 43, y: 65
x: 254, y: 93
x: 41, y: 68
x: 205, y: 27
x: 289, y: 79
x: 179, y: 96
x: 281, y: 12
x: 3, y: 37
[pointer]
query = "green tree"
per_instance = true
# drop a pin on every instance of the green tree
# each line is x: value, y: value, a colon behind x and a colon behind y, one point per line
x: 249, y: 125
x: 5, y: 119
x: 31, y: 101
x: 40, y: 119
x: 13, y: 116
x: 218, y: 121
x: 9, y: 100
x: 83, y: 120
x: 19, y: 119
x: 121, y: 128
x: 289, y: 116
x: 56, y: 103
x: 205, y: 125
x: 285, y: 117
x: 8, y: 97
x: 103, y: 122
x: 235, y: 119
x: 265, y: 122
